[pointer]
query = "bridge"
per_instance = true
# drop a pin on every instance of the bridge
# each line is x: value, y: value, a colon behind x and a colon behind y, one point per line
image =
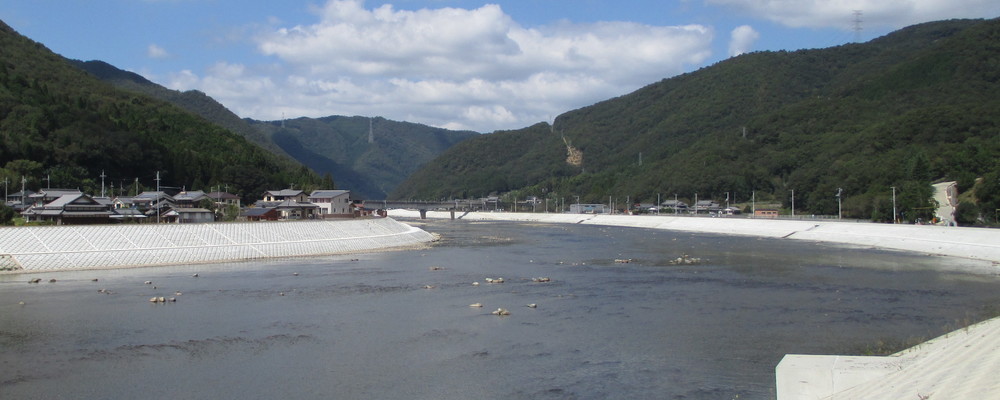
x: 424, y: 206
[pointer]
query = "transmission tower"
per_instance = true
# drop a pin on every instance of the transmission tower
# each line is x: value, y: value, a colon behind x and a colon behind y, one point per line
x: 856, y: 27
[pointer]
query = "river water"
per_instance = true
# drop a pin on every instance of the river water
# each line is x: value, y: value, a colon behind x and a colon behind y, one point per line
x: 397, y: 325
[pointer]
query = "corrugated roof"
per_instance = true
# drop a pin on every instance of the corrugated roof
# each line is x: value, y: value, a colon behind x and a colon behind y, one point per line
x: 285, y: 192
x: 255, y: 212
x: 328, y: 193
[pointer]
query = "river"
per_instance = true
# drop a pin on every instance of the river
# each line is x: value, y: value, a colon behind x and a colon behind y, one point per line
x: 398, y: 325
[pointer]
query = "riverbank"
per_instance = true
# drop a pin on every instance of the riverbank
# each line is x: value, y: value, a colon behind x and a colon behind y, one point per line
x: 959, y: 364
x: 972, y: 243
x: 57, y: 248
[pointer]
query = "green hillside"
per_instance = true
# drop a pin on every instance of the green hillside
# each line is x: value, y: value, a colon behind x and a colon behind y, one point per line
x: 61, y: 127
x: 191, y: 100
x: 335, y: 146
x: 340, y: 146
x: 913, y: 107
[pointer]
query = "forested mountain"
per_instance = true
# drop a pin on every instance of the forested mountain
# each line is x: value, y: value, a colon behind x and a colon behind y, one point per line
x: 368, y: 155
x: 332, y: 146
x: 191, y: 100
x: 913, y: 107
x: 61, y: 127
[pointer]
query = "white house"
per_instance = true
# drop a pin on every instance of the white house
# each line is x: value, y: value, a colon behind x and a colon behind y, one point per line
x: 333, y: 203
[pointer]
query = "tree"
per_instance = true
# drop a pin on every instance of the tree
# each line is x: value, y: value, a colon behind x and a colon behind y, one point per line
x: 6, y: 215
x: 966, y: 213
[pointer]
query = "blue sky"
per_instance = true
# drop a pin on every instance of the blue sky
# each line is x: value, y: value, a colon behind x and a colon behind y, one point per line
x: 460, y: 64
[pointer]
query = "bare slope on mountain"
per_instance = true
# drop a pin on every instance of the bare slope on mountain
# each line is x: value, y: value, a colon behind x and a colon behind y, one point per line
x: 901, y: 111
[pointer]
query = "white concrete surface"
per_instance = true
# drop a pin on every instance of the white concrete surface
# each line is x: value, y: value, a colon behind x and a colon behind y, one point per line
x: 49, y: 248
x: 817, y: 377
x: 959, y: 365
x: 973, y: 243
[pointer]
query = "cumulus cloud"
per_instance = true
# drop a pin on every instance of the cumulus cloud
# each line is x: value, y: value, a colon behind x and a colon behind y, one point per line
x: 154, y: 51
x: 458, y: 68
x: 741, y: 40
x: 839, y: 14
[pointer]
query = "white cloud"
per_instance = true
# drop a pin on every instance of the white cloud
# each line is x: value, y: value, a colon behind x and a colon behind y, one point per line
x: 154, y: 51
x: 742, y: 39
x: 458, y: 68
x: 840, y: 13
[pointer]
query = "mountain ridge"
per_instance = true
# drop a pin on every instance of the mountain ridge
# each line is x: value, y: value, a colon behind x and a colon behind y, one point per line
x: 65, y: 127
x: 766, y: 123
x: 338, y: 153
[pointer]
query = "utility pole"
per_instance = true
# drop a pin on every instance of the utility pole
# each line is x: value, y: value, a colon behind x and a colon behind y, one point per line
x: 675, y: 203
x: 839, y: 209
x: 753, y: 202
x: 48, y: 181
x: 658, y: 204
x: 696, y: 204
x: 102, y: 182
x: 793, y: 203
x: 23, y: 181
x: 5, y: 191
x: 157, y: 196
x: 893, y: 204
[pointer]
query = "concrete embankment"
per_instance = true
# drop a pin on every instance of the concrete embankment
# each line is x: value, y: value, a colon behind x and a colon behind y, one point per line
x: 48, y: 248
x: 958, y: 365
x: 973, y: 243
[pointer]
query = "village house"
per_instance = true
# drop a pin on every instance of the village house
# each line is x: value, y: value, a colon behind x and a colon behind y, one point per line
x: 183, y: 215
x: 189, y: 199
x: 123, y: 202
x: 706, y: 206
x: 223, y: 199
x: 285, y: 194
x: 289, y: 204
x: 153, y: 203
x: 19, y: 201
x: 675, y: 205
x: 765, y: 213
x: 46, y: 196
x: 333, y: 203
x: 259, y: 214
x: 70, y: 208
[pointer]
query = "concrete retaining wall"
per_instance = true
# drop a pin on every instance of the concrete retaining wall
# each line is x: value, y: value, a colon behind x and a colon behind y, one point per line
x: 110, y: 246
x: 974, y: 243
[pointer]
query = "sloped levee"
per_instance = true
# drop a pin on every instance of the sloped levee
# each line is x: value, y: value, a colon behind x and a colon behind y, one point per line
x: 46, y: 248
